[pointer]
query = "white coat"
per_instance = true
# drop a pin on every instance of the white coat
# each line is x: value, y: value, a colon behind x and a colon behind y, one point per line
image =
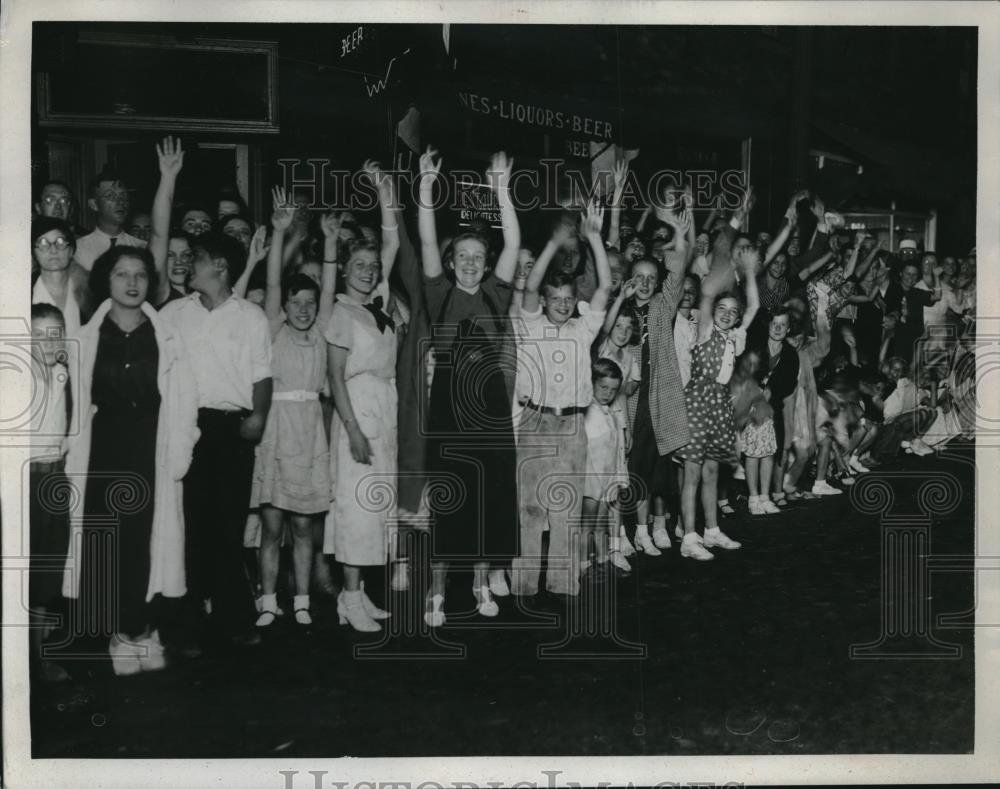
x: 176, y: 435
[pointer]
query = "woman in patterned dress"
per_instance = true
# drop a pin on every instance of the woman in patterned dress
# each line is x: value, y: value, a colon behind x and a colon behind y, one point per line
x: 708, y: 402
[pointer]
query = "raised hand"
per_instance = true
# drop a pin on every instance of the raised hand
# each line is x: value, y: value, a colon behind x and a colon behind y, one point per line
x: 379, y: 179
x: 171, y: 156
x: 258, y: 244
x: 748, y: 258
x: 330, y: 224
x: 429, y: 167
x: 621, y: 175
x: 284, y: 209
x: 564, y: 234
x: 498, y: 174
x: 629, y: 288
x: 592, y: 220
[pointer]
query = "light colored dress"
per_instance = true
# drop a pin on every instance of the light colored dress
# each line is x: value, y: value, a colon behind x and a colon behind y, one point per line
x: 292, y: 468
x: 363, y: 515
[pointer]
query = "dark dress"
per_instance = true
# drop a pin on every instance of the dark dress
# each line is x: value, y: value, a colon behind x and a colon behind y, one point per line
x: 472, y: 459
x: 118, y: 503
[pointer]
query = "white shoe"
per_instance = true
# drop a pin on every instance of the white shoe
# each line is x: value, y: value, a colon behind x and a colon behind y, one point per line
x: 920, y: 448
x: 645, y: 544
x: 620, y: 561
x: 661, y: 539
x: 739, y: 473
x: 627, y: 548
x: 824, y: 488
x: 152, y: 659
x: 716, y: 538
x: 370, y: 608
x: 857, y: 465
x: 756, y: 508
x: 351, y: 609
x: 487, y: 606
x: 679, y: 530
x: 769, y: 507
x: 498, y: 583
x: 400, y: 577
x: 434, y: 616
x: 692, y: 548
x: 848, y: 480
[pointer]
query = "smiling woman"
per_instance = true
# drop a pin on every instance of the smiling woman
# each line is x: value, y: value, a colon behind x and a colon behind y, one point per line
x: 132, y: 436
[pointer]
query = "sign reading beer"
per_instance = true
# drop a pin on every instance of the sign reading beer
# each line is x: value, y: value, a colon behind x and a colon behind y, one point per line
x: 538, y: 115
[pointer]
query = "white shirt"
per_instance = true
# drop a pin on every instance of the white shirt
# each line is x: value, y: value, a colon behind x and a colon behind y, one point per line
x: 229, y: 348
x: 93, y: 245
x: 556, y: 359
x: 71, y: 312
x: 48, y: 420
x: 625, y: 360
x: 904, y: 398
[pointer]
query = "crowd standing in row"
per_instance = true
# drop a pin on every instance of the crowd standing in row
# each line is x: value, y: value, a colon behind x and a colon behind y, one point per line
x: 323, y: 384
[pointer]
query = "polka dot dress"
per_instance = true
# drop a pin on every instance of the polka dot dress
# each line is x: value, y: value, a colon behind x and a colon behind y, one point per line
x: 709, y: 406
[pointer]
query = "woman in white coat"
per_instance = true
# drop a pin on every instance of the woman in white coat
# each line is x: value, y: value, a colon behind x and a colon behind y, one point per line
x: 133, y: 430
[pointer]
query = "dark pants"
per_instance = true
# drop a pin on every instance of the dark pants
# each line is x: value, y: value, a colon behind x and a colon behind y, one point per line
x: 904, y: 427
x: 216, y: 502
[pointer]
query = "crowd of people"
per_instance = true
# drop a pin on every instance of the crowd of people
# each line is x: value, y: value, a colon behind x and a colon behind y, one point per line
x: 319, y: 387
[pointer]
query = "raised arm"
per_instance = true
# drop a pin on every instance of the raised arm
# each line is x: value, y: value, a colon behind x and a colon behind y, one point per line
x: 818, y: 265
x: 387, y: 207
x: 498, y: 177
x: 932, y: 282
x: 593, y: 221
x: 171, y: 158
x: 614, y: 225
x: 281, y: 220
x: 852, y: 261
x: 748, y: 259
x: 791, y: 217
x: 429, y: 252
x: 560, y: 236
x: 627, y: 291
x: 866, y: 264
x: 257, y: 252
x: 330, y: 225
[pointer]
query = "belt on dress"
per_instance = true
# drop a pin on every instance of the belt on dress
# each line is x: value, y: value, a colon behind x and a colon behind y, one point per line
x: 296, y: 395
x: 543, y: 409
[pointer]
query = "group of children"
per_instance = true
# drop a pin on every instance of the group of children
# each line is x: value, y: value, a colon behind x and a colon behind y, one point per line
x: 587, y: 393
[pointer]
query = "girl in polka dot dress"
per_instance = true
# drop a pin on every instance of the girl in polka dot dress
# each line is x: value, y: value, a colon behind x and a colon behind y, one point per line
x: 708, y: 401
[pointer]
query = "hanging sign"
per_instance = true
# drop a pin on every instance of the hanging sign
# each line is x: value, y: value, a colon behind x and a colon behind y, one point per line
x: 540, y: 115
x: 477, y: 203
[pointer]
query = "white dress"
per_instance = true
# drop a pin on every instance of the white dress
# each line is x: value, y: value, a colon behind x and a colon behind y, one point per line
x: 363, y: 514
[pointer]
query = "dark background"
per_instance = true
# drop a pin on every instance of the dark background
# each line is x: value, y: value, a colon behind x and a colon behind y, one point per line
x: 899, y: 102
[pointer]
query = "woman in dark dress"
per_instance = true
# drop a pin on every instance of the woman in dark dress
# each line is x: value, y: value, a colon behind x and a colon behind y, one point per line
x: 471, y: 456
x: 132, y: 532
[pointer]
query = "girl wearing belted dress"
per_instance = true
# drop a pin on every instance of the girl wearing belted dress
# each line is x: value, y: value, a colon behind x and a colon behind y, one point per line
x: 361, y: 363
x: 471, y: 434
x: 292, y: 469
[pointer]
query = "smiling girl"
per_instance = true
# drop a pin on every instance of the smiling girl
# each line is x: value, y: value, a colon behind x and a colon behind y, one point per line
x: 721, y: 338
x: 292, y: 468
x: 361, y: 363
x: 471, y: 435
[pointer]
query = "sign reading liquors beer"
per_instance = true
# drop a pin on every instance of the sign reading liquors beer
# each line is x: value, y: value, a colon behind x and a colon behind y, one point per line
x: 477, y: 203
x: 549, y: 118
